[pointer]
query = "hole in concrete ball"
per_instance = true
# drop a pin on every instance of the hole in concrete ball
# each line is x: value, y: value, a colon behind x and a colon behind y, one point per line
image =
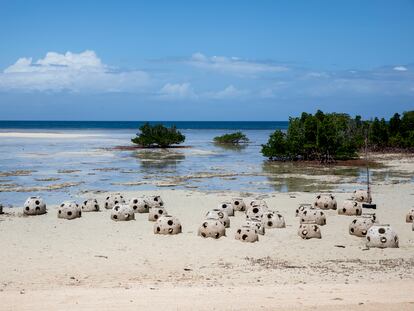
x: 37, y: 202
x: 364, y: 232
x: 224, y: 206
x: 135, y: 207
x: 145, y: 206
x: 170, y: 222
x: 203, y: 234
x: 217, y: 235
x: 344, y: 210
x: 155, y: 216
x: 62, y: 205
x: 357, y: 211
x: 255, y: 210
x: 37, y: 208
x: 354, y: 221
x: 239, y: 231
x: 170, y: 230
x: 96, y: 206
x: 116, y: 202
x: 326, y: 205
x: 160, y: 211
x: 205, y: 225
x: 352, y: 230
x: 368, y: 238
x: 269, y: 223
x: 244, y: 237
x: 383, y: 239
x: 156, y: 199
x: 135, y: 201
x: 27, y: 208
x: 269, y: 216
x: 381, y: 230
x: 158, y: 229
x: 80, y: 214
x: 60, y: 212
x: 115, y: 217
x: 236, y: 202
x: 69, y: 213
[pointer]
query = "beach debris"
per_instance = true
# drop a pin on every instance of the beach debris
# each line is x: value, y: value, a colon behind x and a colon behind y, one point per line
x: 238, y: 204
x: 410, y: 216
x: 382, y: 236
x: 219, y: 215
x: 350, y: 208
x: 69, y: 210
x: 256, y: 212
x: 302, y: 207
x: 226, y: 207
x: 139, y: 205
x: 247, y: 234
x: 315, y: 215
x: 325, y: 201
x: 212, y: 228
x: 113, y: 199
x: 34, y: 206
x: 272, y: 219
x: 362, y: 196
x: 309, y: 230
x: 257, y: 224
x: 90, y: 205
x: 360, y: 225
x: 167, y: 224
x: 154, y: 201
x: 122, y: 212
x: 156, y: 212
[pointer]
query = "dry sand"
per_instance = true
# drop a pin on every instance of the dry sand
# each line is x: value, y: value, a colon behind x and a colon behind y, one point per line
x: 94, y: 263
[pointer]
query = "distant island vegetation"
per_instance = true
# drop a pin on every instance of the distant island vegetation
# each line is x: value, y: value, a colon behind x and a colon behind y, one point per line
x: 327, y: 137
x: 233, y: 139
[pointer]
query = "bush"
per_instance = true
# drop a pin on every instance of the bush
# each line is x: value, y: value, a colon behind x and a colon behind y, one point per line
x: 158, y: 136
x: 334, y: 136
x: 231, y: 139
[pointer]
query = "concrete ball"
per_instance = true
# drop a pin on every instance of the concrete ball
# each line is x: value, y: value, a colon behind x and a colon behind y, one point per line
x: 257, y: 224
x: 325, y: 201
x: 90, y: 205
x: 34, y: 206
x: 360, y: 225
x: 302, y: 207
x: 256, y: 212
x: 238, y: 204
x: 410, y: 216
x: 167, y: 224
x: 139, y: 205
x: 219, y: 215
x: 350, y: 208
x: 156, y: 212
x: 113, y: 199
x: 272, y: 220
x: 122, y: 212
x: 309, y: 231
x: 154, y: 201
x: 382, y: 236
x: 315, y: 215
x: 247, y: 234
x: 212, y: 228
x: 361, y: 196
x: 226, y: 207
x: 69, y: 210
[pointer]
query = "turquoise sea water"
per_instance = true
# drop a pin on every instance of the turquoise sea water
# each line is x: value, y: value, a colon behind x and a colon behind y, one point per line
x: 60, y: 168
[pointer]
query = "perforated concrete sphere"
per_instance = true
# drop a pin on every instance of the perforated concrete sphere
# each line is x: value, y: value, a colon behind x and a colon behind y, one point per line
x: 212, y: 228
x: 34, y: 206
x: 360, y: 225
x: 381, y: 236
x: 256, y: 212
x: 302, y: 207
x: 154, y: 201
x: 156, y: 212
x: 220, y: 215
x: 90, y: 205
x: 309, y: 231
x: 139, y: 205
x: 238, y: 204
x: 167, y: 225
x: 69, y: 210
x: 261, y: 203
x: 257, y: 224
x: 122, y: 212
x: 350, y: 208
x: 361, y: 196
x: 113, y: 199
x: 325, y: 201
x: 226, y: 207
x: 247, y: 234
x: 315, y: 215
x: 273, y: 219
x: 410, y: 216
x: 1, y: 208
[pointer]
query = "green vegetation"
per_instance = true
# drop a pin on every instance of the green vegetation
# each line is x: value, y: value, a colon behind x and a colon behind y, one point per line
x: 337, y: 136
x: 158, y: 136
x: 231, y: 139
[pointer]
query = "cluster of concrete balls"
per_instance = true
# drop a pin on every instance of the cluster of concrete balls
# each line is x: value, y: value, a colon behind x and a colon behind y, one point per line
x: 257, y: 215
x: 365, y: 225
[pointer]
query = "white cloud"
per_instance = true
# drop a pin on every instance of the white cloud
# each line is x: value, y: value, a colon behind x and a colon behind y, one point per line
x: 76, y: 72
x: 233, y: 65
x: 400, y: 68
x: 171, y: 90
x: 228, y: 92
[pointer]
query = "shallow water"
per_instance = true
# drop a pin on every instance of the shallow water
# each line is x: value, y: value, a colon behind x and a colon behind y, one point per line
x: 65, y: 168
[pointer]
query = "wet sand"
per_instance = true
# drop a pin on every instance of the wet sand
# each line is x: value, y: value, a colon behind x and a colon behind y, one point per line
x: 94, y: 263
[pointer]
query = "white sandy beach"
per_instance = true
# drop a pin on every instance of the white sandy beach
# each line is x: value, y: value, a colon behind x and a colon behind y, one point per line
x: 94, y: 263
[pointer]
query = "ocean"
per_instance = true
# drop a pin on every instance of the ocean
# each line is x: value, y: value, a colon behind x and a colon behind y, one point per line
x: 71, y: 160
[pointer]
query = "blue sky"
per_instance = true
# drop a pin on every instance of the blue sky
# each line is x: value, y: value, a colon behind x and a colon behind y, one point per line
x: 204, y: 60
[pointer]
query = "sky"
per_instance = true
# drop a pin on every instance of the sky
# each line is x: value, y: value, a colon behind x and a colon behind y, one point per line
x: 204, y: 60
